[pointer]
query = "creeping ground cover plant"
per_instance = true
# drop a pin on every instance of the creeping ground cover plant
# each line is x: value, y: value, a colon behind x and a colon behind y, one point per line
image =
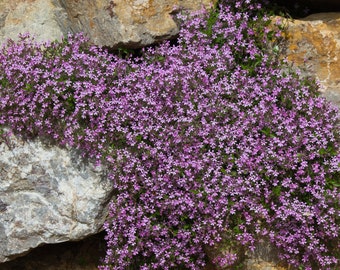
x: 208, y: 140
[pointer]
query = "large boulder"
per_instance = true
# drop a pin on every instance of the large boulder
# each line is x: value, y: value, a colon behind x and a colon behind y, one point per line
x: 128, y: 23
x: 313, y: 46
x: 47, y: 195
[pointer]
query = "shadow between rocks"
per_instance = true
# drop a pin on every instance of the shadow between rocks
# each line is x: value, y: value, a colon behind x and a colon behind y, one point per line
x: 81, y: 255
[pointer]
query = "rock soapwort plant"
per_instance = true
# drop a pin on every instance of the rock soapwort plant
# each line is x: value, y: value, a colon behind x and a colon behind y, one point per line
x: 205, y: 140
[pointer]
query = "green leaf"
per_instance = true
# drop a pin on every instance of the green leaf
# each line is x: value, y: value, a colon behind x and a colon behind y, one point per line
x: 322, y: 151
x: 160, y: 58
x: 237, y: 229
x: 4, y: 83
x: 70, y: 104
x: 268, y: 132
x: 234, y: 173
x: 194, y: 191
x: 330, y: 150
x: 29, y: 88
x: 333, y: 182
x: 139, y: 138
x: 277, y: 191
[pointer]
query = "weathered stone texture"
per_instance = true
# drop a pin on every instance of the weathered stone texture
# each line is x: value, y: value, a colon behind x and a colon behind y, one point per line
x: 47, y: 195
x: 34, y: 16
x: 264, y: 257
x: 313, y: 45
x: 129, y: 23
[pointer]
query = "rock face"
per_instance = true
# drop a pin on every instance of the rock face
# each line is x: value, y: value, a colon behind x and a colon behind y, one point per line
x: 47, y: 195
x: 128, y: 23
x: 264, y: 257
x: 313, y: 45
x: 36, y: 17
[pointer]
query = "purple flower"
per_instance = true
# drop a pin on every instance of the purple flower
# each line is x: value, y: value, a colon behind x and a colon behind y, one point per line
x: 205, y: 141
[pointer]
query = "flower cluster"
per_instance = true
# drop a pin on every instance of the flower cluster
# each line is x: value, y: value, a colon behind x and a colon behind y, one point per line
x: 205, y: 140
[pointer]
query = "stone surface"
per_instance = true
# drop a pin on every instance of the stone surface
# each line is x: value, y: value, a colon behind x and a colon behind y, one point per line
x: 47, y: 195
x: 264, y: 257
x: 313, y: 45
x: 128, y: 23
x: 38, y: 17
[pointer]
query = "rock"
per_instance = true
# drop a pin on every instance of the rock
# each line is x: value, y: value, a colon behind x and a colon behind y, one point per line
x: 47, y: 195
x: 264, y: 257
x: 36, y: 16
x: 128, y: 23
x: 313, y: 45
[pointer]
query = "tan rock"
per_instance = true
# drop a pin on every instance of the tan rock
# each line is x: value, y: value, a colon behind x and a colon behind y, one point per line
x: 130, y: 23
x: 313, y: 45
x: 264, y: 257
x: 34, y: 16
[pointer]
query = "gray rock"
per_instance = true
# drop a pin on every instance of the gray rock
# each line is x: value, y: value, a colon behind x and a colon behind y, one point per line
x: 47, y: 195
